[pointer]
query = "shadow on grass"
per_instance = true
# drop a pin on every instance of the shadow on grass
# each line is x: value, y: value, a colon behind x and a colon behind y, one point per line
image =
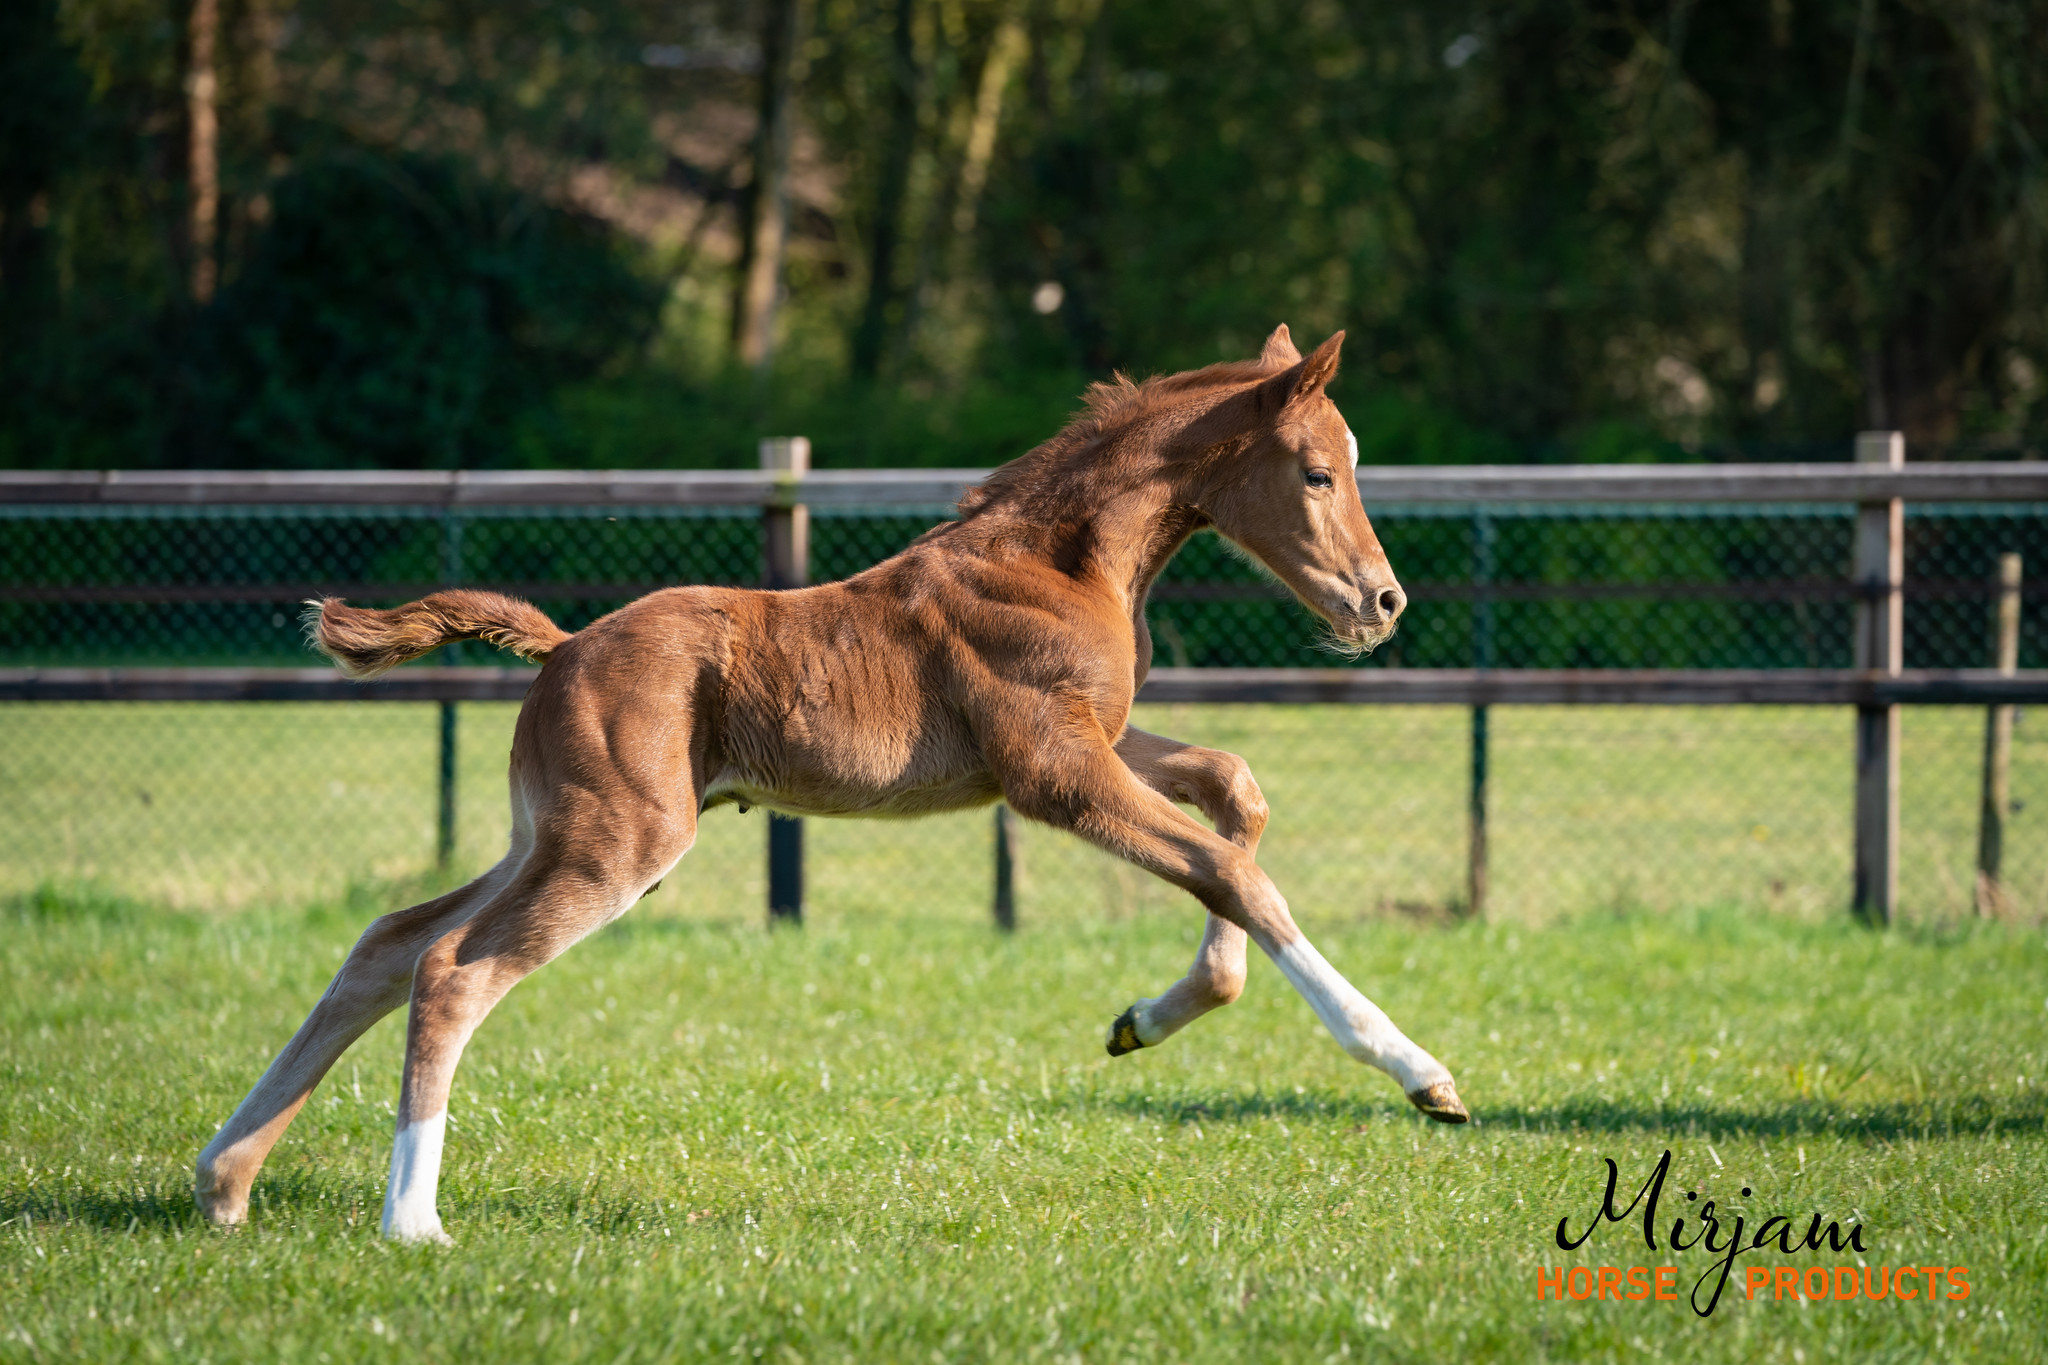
x: 150, y: 1211
x: 171, y: 1211
x: 1309, y: 1107
x: 1961, y: 1116
x: 291, y: 1197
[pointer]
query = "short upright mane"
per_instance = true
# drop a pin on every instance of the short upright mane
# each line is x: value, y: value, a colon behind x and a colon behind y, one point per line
x: 1106, y: 409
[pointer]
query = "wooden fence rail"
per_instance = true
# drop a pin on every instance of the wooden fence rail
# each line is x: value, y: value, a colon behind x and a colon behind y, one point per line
x: 1978, y: 481
x: 1294, y: 686
x: 784, y: 491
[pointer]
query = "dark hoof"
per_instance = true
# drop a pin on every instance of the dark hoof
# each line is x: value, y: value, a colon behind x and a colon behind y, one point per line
x: 1123, y: 1034
x: 1441, y: 1102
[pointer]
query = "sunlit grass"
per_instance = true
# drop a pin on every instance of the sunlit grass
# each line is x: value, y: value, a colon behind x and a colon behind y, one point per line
x: 899, y: 1139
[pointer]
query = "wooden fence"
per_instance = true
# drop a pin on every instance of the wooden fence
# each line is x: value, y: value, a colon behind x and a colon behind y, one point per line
x: 1877, y: 483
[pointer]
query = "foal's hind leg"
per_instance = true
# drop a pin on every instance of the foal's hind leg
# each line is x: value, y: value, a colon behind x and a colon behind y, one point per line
x: 1220, y: 785
x: 371, y: 983
x: 556, y: 899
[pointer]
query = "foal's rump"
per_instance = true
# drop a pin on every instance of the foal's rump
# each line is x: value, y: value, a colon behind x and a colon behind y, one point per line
x: 364, y: 641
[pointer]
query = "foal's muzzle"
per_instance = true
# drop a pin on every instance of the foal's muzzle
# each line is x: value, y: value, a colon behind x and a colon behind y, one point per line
x: 1373, y: 616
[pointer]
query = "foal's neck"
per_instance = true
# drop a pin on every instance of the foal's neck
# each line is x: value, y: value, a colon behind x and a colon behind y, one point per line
x: 1140, y: 510
x: 1114, y: 503
x: 1132, y: 537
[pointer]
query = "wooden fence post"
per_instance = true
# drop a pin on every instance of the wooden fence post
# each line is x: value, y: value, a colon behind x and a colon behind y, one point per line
x: 1879, y: 649
x: 1006, y: 869
x: 786, y: 563
x: 1997, y: 802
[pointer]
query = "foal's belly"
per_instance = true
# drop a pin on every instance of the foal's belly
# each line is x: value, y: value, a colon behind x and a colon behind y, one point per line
x: 963, y: 792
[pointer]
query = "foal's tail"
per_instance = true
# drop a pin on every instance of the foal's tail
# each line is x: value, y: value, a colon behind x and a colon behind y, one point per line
x: 364, y: 642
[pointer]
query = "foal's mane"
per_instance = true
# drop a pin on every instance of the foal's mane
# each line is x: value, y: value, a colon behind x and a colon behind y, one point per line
x: 1061, y: 467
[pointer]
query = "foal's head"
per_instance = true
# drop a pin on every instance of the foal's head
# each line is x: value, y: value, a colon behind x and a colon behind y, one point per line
x: 1288, y: 494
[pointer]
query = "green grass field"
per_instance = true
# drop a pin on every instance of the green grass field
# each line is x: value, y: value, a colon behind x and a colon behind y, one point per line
x: 894, y: 1134
x: 900, y: 1140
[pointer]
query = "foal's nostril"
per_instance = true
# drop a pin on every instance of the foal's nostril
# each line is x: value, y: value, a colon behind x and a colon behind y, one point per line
x: 1391, y: 602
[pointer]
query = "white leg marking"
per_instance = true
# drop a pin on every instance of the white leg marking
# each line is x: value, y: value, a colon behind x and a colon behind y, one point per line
x: 1150, y: 1032
x: 1360, y: 1027
x: 409, y: 1214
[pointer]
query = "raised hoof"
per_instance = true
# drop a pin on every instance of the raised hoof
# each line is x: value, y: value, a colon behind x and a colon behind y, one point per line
x: 1123, y: 1034
x: 1441, y: 1102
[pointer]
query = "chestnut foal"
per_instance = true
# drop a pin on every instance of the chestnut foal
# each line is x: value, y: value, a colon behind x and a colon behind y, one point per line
x: 995, y: 658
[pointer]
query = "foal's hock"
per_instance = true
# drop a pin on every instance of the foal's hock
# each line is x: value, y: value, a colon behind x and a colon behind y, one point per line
x: 995, y: 658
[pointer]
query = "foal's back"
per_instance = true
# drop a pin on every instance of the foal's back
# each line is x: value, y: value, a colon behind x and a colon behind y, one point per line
x: 865, y: 696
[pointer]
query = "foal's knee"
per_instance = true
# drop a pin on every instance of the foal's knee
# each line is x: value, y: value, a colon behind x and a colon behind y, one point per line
x: 1222, y: 785
x: 1243, y: 798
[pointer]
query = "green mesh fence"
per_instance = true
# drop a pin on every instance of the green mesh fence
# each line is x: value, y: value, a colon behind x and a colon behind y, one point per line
x: 219, y: 805
x: 1514, y: 587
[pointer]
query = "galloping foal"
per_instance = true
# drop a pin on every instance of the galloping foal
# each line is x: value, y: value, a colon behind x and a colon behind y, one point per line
x: 995, y: 658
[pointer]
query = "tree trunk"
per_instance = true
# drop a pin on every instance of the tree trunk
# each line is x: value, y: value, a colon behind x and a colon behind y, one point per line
x: 764, y: 219
x: 891, y: 188
x: 1004, y: 51
x: 946, y: 249
x: 202, y: 96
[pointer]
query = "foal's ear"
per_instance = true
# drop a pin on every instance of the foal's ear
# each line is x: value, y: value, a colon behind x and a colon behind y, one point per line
x: 1321, y: 366
x: 1304, y: 379
x: 1279, y: 349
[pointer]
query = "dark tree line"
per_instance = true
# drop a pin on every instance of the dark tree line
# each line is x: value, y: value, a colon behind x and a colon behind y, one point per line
x: 432, y: 232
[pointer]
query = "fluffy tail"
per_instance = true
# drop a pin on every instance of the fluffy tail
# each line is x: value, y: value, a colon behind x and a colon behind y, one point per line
x: 364, y: 642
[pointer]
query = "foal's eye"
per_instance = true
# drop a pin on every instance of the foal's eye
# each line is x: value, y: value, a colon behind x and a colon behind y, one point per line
x: 1317, y: 478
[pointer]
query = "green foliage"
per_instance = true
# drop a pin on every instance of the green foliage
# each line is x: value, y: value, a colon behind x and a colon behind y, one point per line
x: 1554, y: 229
x: 1542, y: 217
x: 395, y: 312
x: 402, y: 313
x: 39, y: 130
x: 652, y: 418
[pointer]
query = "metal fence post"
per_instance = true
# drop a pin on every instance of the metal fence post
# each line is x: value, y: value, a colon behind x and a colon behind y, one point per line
x: 1482, y: 658
x: 444, y: 829
x: 1880, y: 644
x: 1475, y: 834
x: 785, y: 563
x: 1006, y: 869
x: 1997, y: 800
x: 444, y: 815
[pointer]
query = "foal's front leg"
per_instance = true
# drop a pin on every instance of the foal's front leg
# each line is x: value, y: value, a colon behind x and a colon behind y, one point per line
x: 1085, y: 787
x: 1220, y: 785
